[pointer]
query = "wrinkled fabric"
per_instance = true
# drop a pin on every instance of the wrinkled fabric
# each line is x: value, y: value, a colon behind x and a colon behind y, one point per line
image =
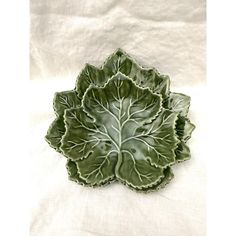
x: 168, y: 35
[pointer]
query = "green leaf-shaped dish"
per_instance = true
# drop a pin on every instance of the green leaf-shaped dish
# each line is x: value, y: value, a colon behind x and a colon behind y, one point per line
x: 121, y: 123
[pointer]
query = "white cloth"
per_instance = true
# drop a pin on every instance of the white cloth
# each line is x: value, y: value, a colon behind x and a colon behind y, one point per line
x: 169, y: 35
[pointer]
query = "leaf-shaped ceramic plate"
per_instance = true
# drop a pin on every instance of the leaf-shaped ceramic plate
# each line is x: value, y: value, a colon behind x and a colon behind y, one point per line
x: 118, y: 61
x: 121, y: 123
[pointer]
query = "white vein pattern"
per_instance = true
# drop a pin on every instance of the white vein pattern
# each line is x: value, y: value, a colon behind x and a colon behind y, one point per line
x: 118, y: 61
x: 111, y: 123
x: 110, y: 134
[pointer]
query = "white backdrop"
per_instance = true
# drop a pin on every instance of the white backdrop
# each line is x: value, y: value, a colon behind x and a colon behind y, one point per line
x: 169, y: 35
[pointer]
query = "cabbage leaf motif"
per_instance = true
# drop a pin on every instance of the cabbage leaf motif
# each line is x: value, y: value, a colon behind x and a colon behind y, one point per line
x: 121, y: 123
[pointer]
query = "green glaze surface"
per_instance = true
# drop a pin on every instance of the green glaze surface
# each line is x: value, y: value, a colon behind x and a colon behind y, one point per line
x: 121, y: 123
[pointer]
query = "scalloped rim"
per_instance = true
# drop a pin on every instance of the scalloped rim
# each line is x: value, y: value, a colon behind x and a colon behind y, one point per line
x: 126, y: 77
x: 101, y: 68
x: 149, y: 189
x: 130, y: 58
x: 161, y: 109
x: 140, y: 187
x: 159, y: 185
x: 57, y: 117
x: 94, y: 119
x: 107, y: 181
x: 111, y: 180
